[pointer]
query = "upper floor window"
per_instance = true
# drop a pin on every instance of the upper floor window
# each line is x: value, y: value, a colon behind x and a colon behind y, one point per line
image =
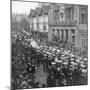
x: 44, y: 28
x: 56, y: 15
x: 53, y: 30
x: 73, y: 31
x: 32, y: 26
x: 58, y: 31
x: 44, y: 25
x: 83, y: 20
x: 73, y: 38
x: 83, y: 15
x: 66, y: 34
x: 83, y: 9
x: 69, y: 13
x: 37, y: 25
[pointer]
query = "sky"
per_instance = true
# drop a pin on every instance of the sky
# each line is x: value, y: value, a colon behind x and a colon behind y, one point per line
x: 23, y: 7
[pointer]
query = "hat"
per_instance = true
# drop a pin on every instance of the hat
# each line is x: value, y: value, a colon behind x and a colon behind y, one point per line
x: 84, y: 70
x: 49, y: 56
x: 45, y: 54
x: 60, y: 61
x: 54, y: 49
x: 58, y: 50
x: 66, y: 57
x: 72, y: 55
x: 65, y: 63
x: 62, y: 58
x: 82, y: 62
x: 69, y: 51
x: 77, y: 60
x: 48, y: 53
x: 53, y: 54
x: 58, y: 69
x: 50, y: 48
x: 83, y: 66
x: 85, y: 59
x: 73, y: 63
x: 72, y: 59
x: 80, y: 58
x: 20, y: 75
x: 62, y: 55
x: 53, y: 63
x: 66, y: 53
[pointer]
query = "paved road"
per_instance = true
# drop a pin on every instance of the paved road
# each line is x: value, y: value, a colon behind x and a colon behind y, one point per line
x: 41, y: 76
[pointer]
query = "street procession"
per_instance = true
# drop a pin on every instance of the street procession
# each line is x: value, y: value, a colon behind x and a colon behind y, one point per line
x: 61, y: 66
x: 49, y: 45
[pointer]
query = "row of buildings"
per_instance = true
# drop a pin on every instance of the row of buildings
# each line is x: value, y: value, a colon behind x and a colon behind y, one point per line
x: 65, y: 21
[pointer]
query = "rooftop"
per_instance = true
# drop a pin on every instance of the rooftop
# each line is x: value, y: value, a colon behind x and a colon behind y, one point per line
x: 39, y: 11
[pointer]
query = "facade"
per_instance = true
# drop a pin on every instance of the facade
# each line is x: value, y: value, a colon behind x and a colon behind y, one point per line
x: 39, y: 19
x: 19, y: 17
x: 66, y: 22
x: 69, y: 23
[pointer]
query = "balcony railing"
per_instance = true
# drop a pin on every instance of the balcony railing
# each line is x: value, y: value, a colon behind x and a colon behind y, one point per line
x: 63, y: 23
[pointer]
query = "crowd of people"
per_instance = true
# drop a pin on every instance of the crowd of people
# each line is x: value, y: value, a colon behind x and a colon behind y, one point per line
x: 64, y: 67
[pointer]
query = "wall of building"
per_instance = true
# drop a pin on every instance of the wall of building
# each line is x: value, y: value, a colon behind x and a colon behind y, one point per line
x: 83, y: 36
x: 41, y: 20
x: 81, y: 30
x: 77, y: 31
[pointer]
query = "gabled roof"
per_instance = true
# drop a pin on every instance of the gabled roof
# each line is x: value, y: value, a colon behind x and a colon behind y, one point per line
x: 46, y: 9
x: 32, y: 13
x: 39, y: 11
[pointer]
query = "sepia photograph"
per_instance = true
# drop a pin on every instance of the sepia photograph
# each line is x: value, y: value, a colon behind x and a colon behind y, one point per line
x: 49, y: 44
